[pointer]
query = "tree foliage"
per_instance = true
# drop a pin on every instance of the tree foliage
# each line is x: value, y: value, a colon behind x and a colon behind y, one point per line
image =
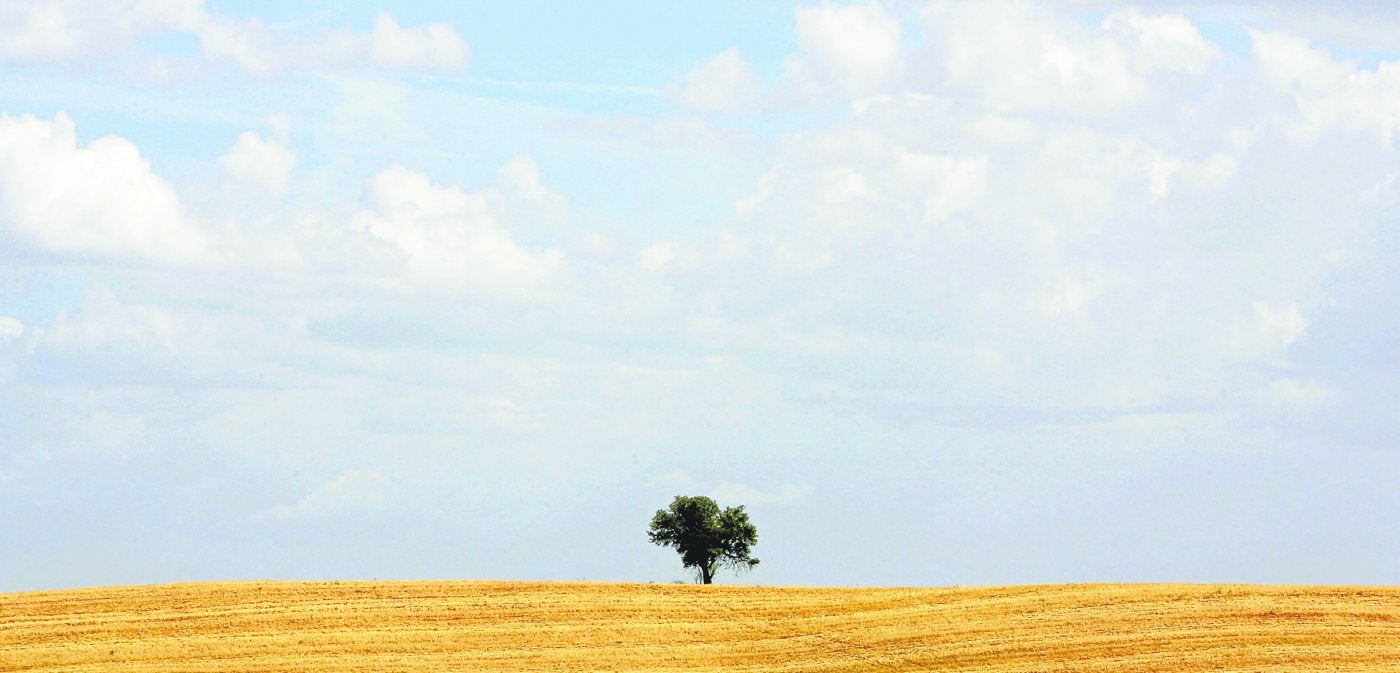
x: 706, y: 538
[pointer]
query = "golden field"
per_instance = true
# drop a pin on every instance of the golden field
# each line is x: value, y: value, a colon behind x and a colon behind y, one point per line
x: 537, y: 626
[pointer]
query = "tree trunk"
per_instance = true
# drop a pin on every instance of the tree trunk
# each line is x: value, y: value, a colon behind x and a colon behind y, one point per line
x: 707, y: 574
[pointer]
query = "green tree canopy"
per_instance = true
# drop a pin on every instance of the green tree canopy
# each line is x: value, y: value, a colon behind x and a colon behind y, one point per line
x: 705, y: 537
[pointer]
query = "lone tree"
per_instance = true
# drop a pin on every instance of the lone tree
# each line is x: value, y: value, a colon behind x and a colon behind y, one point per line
x: 705, y: 537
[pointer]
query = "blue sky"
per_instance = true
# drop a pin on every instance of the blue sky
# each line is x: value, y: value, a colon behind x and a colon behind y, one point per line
x: 944, y: 293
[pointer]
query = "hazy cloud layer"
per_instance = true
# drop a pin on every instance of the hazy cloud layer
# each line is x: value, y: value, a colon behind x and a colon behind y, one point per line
x: 1002, y: 292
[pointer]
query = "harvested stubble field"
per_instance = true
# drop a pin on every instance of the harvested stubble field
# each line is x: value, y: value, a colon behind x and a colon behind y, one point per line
x: 529, y: 626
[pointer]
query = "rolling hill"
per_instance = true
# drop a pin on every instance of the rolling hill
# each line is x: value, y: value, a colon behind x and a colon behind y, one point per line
x: 533, y: 626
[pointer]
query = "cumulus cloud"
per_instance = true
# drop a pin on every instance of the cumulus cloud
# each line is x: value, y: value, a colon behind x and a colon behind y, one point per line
x: 256, y: 48
x: 78, y: 30
x: 521, y: 177
x: 1015, y: 57
x: 451, y: 239
x: 435, y: 46
x: 855, y: 46
x: 1008, y: 266
x: 1329, y: 92
x: 354, y: 491
x: 1060, y: 190
x: 723, y: 83
x: 99, y: 200
x: 1019, y: 56
x: 266, y: 163
x: 1163, y: 42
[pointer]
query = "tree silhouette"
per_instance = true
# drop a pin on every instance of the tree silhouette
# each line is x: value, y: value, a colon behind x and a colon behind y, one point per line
x: 705, y: 537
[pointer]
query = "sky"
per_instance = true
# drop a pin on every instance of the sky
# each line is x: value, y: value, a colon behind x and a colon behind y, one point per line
x: 944, y: 293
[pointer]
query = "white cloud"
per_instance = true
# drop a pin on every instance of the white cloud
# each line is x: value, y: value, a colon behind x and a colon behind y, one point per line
x: 66, y: 30
x: 354, y: 491
x: 78, y: 30
x: 1018, y: 56
x: 104, y: 322
x: 856, y: 46
x: 523, y: 202
x: 451, y: 239
x: 729, y: 494
x: 435, y: 46
x: 262, y: 50
x: 1271, y: 331
x: 942, y: 231
x: 1070, y: 296
x: 253, y: 46
x: 264, y: 163
x: 131, y: 336
x: 843, y: 184
x: 828, y: 194
x: 1163, y: 42
x: 657, y: 256
x: 10, y: 329
x: 1329, y: 92
x: 1290, y: 63
x: 11, y: 332
x: 35, y: 31
x: 723, y: 83
x: 951, y: 183
x: 521, y: 176
x: 102, y: 199
x: 113, y: 340
x: 1359, y: 26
